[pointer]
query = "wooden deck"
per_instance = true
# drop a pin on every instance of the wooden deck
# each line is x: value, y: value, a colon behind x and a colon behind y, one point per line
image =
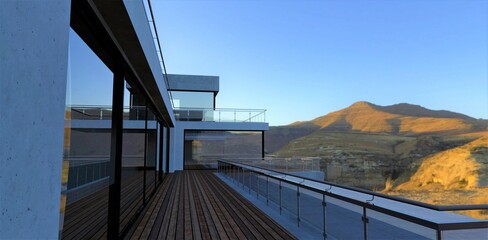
x: 195, y: 204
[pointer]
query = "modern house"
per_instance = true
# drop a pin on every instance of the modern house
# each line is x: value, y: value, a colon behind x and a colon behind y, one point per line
x: 55, y: 154
x: 125, y: 167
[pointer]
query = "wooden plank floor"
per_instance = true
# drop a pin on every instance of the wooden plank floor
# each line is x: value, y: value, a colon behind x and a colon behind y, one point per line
x: 195, y: 204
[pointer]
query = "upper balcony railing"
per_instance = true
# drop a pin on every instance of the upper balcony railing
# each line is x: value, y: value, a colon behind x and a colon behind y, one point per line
x: 220, y: 115
x: 341, y: 212
x: 86, y: 112
x: 157, y: 44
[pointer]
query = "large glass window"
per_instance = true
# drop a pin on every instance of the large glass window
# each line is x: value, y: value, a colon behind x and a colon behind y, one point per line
x: 87, y: 151
x: 182, y: 99
x: 202, y: 149
x: 139, y: 152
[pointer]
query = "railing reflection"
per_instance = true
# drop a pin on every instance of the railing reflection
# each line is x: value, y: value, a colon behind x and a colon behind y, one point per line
x: 86, y: 112
x: 89, y: 174
x: 341, y: 212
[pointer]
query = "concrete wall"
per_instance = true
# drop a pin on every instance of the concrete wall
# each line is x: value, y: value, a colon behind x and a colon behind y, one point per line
x: 33, y: 77
x: 178, y: 136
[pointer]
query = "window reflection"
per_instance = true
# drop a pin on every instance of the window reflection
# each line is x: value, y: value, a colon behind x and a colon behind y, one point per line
x: 182, y: 99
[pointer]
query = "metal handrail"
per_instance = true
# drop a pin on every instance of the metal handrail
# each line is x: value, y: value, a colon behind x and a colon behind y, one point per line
x: 217, y: 109
x: 382, y: 195
x: 163, y: 65
x: 367, y: 205
x: 254, y: 114
x: 104, y: 111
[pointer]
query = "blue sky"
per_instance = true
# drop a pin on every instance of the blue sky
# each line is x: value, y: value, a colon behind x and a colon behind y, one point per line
x: 303, y: 59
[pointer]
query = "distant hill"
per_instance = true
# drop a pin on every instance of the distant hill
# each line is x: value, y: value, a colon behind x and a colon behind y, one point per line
x: 404, y: 149
x: 363, y: 117
x: 419, y: 111
x: 405, y: 119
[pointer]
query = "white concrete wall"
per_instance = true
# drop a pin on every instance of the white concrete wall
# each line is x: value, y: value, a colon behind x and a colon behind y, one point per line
x: 178, y: 135
x: 33, y: 77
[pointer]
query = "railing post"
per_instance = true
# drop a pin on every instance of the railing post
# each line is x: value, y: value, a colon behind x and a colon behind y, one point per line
x: 257, y: 185
x: 365, y: 223
x: 439, y: 234
x: 324, y: 205
x: 280, y: 198
x: 267, y: 190
x: 242, y: 177
x: 250, y: 182
x: 235, y: 120
x: 298, y: 206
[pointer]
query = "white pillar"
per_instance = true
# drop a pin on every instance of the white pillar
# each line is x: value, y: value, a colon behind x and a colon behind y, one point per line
x: 33, y: 73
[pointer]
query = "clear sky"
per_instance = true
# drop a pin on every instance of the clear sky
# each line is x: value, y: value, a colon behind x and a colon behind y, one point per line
x: 303, y: 59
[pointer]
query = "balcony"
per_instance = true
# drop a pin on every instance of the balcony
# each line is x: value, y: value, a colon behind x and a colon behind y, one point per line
x: 331, y: 211
x: 220, y: 115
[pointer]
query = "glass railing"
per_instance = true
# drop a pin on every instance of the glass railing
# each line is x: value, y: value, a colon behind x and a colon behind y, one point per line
x: 220, y: 115
x: 308, y: 167
x: 157, y: 44
x: 340, y: 212
x: 86, y: 112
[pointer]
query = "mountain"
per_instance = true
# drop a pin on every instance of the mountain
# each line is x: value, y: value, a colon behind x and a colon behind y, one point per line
x: 404, y: 119
x: 365, y: 144
x: 419, y: 111
x: 363, y: 117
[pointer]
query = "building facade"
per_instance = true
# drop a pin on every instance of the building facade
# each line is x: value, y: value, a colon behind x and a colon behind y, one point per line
x: 57, y: 154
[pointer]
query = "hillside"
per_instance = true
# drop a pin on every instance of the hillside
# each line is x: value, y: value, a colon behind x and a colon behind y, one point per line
x: 464, y: 167
x: 365, y: 144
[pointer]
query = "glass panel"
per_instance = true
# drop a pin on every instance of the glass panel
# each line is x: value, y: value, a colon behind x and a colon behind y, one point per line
x: 183, y: 99
x: 343, y: 219
x: 204, y: 148
x: 253, y: 180
x: 132, y: 174
x: 289, y: 199
x: 262, y: 187
x: 274, y: 193
x: 86, y: 150
x: 311, y: 209
x: 384, y: 226
x: 245, y: 179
